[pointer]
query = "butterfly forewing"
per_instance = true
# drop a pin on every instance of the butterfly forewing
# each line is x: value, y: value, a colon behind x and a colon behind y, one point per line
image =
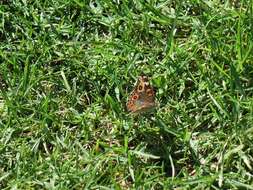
x: 142, y: 98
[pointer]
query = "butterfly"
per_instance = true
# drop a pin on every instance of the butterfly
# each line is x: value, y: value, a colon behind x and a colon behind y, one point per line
x: 142, y: 98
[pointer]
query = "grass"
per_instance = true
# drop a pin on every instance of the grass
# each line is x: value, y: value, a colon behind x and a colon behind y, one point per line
x: 67, y: 68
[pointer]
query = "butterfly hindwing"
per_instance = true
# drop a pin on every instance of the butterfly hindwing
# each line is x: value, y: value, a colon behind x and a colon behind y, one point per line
x: 142, y: 98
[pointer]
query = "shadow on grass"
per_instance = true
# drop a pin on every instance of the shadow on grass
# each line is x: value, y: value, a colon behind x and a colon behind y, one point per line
x: 168, y: 146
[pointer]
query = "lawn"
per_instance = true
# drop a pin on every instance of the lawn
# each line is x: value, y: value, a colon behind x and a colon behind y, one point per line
x: 67, y: 69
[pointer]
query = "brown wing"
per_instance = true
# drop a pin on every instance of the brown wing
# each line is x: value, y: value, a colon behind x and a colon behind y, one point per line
x: 142, y: 97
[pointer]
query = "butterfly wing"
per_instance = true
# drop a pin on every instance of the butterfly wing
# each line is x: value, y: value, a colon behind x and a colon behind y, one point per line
x: 142, y: 98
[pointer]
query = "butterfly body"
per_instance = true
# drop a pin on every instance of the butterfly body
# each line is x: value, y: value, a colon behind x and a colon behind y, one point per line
x: 142, y: 98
